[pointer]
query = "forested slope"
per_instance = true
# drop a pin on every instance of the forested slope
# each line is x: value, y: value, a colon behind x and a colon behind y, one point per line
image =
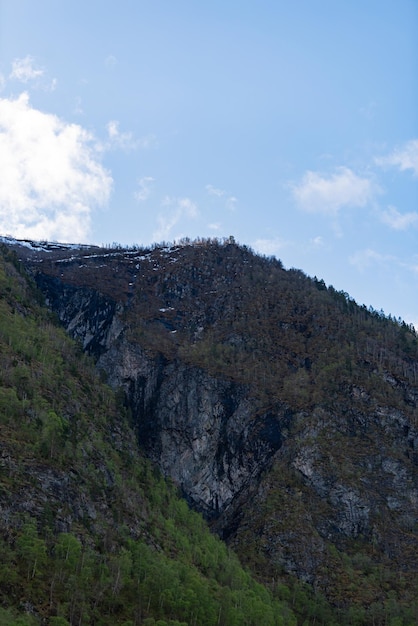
x: 283, y: 411
x: 90, y: 533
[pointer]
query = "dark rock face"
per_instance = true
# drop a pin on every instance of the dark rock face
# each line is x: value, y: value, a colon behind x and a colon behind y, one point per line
x: 203, y: 432
x: 86, y: 314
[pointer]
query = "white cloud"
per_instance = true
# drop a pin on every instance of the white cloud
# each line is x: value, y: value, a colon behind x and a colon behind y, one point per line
x: 51, y: 176
x: 269, y: 247
x: 364, y: 258
x: 215, y: 226
x: 404, y: 158
x: 25, y: 70
x: 317, y: 242
x: 113, y: 129
x: 410, y: 265
x: 230, y: 201
x: 179, y: 208
x: 144, y: 190
x: 126, y: 140
x: 121, y: 140
x: 53, y: 85
x: 328, y: 194
x: 399, y: 221
x: 2, y: 81
x: 78, y: 109
x: 213, y: 191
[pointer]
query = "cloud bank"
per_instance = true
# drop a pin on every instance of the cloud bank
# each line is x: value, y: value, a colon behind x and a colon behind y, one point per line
x: 51, y: 174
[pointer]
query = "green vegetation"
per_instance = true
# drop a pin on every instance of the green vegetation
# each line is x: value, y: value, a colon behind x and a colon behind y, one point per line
x: 90, y: 533
x: 130, y: 581
x: 359, y: 589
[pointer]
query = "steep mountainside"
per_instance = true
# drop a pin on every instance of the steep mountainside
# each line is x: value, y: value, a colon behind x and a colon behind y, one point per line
x: 286, y: 413
x: 90, y: 533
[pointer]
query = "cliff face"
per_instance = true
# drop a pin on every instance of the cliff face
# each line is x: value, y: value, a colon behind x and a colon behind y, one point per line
x: 287, y: 415
x: 205, y: 433
x: 343, y: 482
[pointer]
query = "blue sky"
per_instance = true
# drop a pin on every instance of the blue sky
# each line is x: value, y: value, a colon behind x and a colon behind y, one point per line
x: 292, y: 126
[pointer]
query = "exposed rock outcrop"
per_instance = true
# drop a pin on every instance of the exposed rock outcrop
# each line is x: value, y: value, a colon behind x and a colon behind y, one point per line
x: 207, y: 434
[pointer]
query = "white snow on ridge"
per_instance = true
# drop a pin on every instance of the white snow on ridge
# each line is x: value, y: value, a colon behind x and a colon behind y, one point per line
x: 43, y: 246
x: 26, y: 243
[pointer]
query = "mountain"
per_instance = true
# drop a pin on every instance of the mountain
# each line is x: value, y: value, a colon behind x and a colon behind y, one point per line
x: 284, y: 413
x: 90, y: 533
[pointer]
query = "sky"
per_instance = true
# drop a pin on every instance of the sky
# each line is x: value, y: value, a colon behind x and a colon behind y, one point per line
x: 292, y: 126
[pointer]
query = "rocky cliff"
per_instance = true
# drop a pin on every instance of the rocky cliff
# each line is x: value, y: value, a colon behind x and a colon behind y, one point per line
x: 285, y: 412
x: 206, y: 433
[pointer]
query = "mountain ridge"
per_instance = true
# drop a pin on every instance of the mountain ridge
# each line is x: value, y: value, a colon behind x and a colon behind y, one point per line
x: 285, y: 412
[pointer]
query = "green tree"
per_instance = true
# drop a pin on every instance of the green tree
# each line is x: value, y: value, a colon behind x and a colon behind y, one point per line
x: 31, y: 549
x: 52, y: 434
